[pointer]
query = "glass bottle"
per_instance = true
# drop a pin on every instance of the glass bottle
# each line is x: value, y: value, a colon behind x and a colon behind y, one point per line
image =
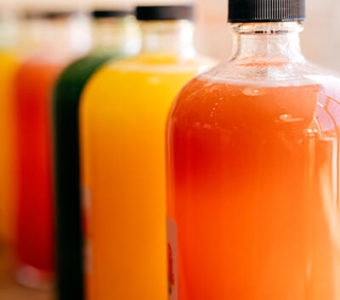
x: 18, y: 39
x: 122, y: 120
x: 34, y: 82
x: 115, y: 35
x: 253, y: 169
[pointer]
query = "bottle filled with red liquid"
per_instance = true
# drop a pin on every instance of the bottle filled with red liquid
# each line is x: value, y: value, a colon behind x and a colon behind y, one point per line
x: 34, y: 84
x: 254, y: 169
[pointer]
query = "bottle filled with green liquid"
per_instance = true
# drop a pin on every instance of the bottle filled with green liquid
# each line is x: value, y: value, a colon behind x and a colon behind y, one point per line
x: 115, y: 35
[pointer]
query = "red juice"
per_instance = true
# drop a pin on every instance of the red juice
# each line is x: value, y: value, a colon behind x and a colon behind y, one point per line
x: 35, y: 216
x: 35, y: 79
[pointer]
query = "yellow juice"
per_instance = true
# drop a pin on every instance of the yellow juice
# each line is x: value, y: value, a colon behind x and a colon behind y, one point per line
x: 8, y: 65
x: 123, y: 116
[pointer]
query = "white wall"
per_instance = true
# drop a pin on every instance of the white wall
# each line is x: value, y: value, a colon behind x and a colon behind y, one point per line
x: 320, y: 40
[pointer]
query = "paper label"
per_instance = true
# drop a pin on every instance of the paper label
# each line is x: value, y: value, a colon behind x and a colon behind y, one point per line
x: 86, y: 204
x: 172, y: 260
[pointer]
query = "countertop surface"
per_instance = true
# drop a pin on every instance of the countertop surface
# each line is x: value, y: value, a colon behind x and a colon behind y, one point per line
x: 9, y: 289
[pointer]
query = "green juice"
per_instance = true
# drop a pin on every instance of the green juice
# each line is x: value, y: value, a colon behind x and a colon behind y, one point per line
x: 68, y: 203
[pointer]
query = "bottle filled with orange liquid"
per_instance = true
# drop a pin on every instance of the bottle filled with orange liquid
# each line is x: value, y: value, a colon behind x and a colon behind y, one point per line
x: 122, y: 117
x: 254, y: 169
x: 33, y: 90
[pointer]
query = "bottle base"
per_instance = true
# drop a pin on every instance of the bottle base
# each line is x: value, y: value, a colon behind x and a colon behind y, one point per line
x: 33, y: 278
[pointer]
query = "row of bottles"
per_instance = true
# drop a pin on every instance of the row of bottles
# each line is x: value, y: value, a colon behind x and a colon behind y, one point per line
x: 229, y: 192
x: 46, y: 42
x: 49, y: 147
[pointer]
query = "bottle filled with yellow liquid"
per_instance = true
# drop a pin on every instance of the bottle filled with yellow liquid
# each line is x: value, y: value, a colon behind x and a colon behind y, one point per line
x: 122, y: 119
x: 9, y: 62
x: 8, y: 65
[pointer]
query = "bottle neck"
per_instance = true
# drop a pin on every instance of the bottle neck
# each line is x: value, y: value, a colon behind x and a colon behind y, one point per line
x: 116, y: 33
x: 267, y: 42
x: 9, y: 32
x: 63, y: 34
x: 168, y: 37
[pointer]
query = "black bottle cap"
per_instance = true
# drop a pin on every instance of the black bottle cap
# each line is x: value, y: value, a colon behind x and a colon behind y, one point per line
x: 101, y: 14
x: 165, y: 13
x: 250, y: 11
x: 48, y: 14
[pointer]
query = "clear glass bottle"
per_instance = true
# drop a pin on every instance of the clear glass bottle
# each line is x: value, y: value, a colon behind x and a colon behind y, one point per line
x: 115, y: 29
x: 253, y: 169
x: 34, y: 82
x: 122, y: 119
x: 9, y: 29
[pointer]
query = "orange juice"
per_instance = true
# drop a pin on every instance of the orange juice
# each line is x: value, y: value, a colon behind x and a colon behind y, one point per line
x: 127, y: 176
x: 253, y: 191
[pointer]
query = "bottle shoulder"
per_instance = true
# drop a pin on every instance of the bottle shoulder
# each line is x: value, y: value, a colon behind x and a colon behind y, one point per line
x: 9, y: 55
x: 270, y: 73
x: 81, y: 69
x: 302, y: 96
x: 8, y: 60
x: 161, y: 62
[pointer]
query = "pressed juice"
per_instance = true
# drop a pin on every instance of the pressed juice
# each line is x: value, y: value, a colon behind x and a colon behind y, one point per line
x: 254, y: 191
x: 67, y: 94
x: 35, y: 225
x: 8, y: 65
x: 124, y: 173
x: 35, y: 80
x: 253, y: 169
x: 17, y: 41
x: 69, y: 227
